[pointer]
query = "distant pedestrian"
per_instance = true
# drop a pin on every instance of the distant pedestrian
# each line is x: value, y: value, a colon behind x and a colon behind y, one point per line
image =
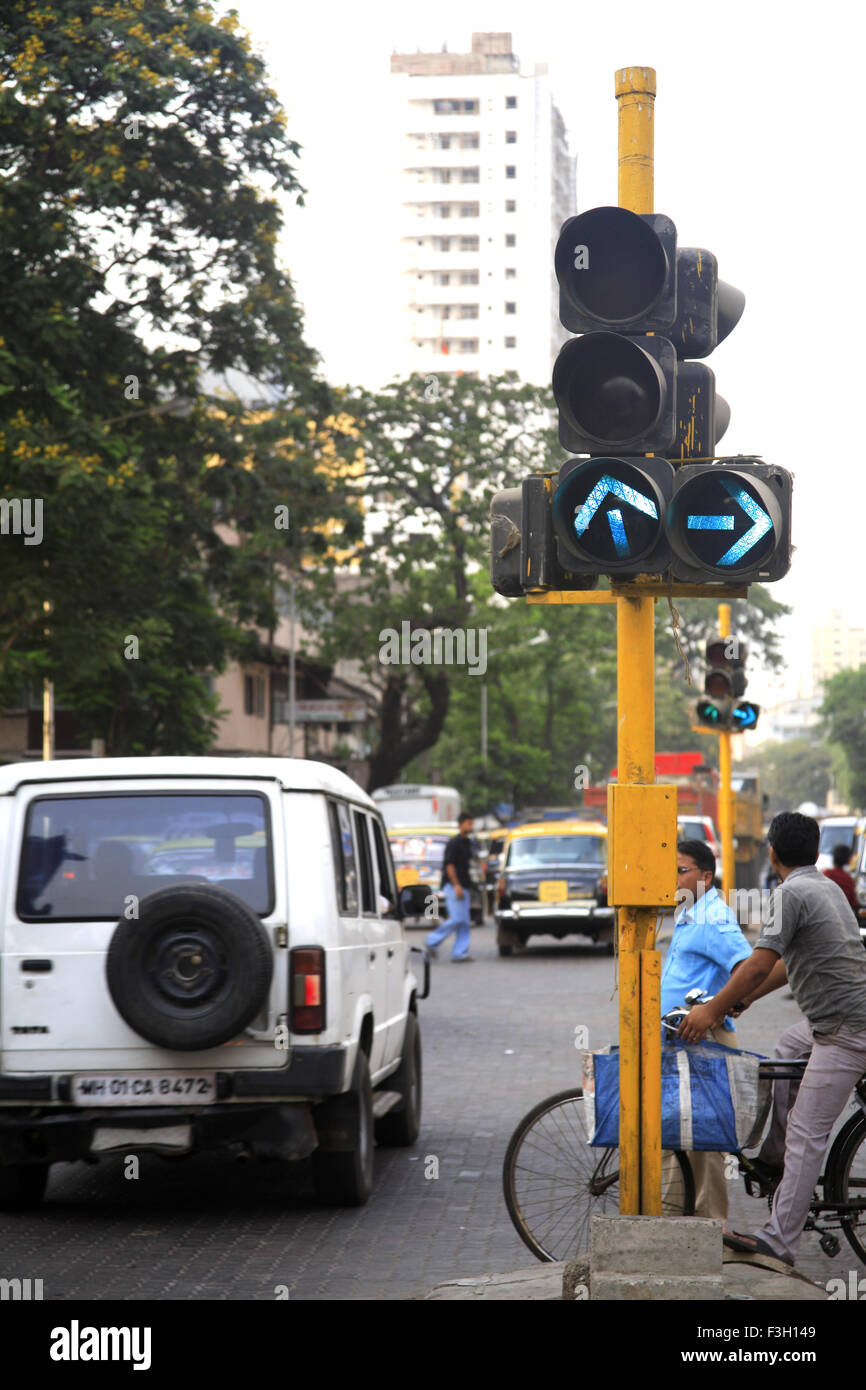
x: 456, y: 881
x: 839, y: 874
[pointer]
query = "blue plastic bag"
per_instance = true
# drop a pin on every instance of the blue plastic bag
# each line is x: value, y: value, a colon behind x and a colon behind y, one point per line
x: 713, y: 1099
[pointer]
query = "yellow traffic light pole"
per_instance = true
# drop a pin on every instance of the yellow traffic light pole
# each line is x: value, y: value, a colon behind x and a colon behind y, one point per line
x: 642, y: 817
x: 639, y: 962
x: 726, y: 798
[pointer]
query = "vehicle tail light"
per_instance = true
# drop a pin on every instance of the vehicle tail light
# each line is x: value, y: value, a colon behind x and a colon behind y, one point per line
x: 602, y: 888
x: 307, y: 970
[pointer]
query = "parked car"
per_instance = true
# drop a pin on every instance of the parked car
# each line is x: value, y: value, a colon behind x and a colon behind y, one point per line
x: 418, y: 852
x: 198, y: 953
x: 838, y: 830
x: 553, y: 882
x: 701, y: 828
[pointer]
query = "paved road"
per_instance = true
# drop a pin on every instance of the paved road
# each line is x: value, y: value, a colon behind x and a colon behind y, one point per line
x: 498, y: 1036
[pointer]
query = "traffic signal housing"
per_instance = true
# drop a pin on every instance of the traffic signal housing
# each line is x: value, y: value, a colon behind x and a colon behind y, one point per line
x: 725, y: 676
x: 523, y: 551
x: 731, y: 522
x: 609, y: 515
x: 643, y: 306
x: 643, y: 492
x: 724, y: 683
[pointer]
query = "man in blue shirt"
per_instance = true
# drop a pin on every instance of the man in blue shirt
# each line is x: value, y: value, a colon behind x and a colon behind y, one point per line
x: 706, y: 945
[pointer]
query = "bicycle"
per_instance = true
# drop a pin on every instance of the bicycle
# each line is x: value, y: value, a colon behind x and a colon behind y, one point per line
x: 554, y: 1182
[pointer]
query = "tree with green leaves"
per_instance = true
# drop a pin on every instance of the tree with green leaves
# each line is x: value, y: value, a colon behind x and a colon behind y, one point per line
x: 143, y: 155
x: 434, y: 453
x: 795, y: 771
x: 844, y: 718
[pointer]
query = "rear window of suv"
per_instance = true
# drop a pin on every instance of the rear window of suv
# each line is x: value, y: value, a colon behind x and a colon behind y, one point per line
x: 89, y: 857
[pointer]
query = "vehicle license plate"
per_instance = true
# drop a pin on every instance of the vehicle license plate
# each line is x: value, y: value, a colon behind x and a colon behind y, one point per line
x: 145, y: 1088
x: 553, y: 890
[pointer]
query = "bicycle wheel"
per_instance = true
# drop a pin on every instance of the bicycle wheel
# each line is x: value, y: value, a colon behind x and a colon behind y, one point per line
x: 553, y: 1181
x: 845, y: 1179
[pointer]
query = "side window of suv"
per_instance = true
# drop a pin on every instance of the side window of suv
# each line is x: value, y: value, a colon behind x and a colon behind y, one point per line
x: 387, y: 883
x: 368, y: 891
x: 343, y: 845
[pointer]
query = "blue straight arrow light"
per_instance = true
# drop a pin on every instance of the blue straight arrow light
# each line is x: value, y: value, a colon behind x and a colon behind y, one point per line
x: 617, y: 530
x: 710, y: 523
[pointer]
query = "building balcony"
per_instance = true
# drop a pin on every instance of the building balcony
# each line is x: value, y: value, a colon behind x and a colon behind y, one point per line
x: 430, y: 298
x: 430, y: 156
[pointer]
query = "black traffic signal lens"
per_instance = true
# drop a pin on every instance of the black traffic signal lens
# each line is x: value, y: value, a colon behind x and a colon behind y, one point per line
x: 609, y: 512
x: 608, y: 387
x: 612, y: 263
x: 718, y: 685
x: 724, y: 521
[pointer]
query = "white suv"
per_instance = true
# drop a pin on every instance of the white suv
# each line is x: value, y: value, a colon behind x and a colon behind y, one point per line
x: 198, y: 953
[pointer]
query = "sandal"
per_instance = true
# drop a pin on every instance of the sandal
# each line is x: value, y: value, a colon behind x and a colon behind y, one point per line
x: 752, y: 1245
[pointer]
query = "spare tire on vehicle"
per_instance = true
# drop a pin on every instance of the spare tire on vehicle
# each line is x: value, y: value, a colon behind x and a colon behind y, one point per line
x: 192, y: 970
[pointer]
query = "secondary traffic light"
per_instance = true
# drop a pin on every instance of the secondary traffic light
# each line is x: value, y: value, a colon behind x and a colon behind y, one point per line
x: 724, y: 683
x: 715, y: 709
x: 725, y: 675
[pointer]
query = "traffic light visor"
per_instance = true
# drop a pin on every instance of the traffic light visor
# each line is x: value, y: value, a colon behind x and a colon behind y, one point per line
x: 718, y: 685
x: 724, y: 521
x: 611, y: 264
x: 609, y: 512
x: 608, y: 387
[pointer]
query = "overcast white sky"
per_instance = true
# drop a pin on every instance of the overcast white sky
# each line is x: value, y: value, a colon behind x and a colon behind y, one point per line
x: 759, y: 157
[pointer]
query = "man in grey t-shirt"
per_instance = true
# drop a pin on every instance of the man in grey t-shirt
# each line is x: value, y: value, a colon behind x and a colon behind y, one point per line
x: 810, y: 938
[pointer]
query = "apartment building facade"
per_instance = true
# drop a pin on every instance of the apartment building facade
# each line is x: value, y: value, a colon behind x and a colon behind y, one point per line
x: 836, y: 646
x: 484, y: 181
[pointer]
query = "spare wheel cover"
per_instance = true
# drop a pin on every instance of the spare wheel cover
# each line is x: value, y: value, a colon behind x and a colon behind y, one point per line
x: 192, y: 970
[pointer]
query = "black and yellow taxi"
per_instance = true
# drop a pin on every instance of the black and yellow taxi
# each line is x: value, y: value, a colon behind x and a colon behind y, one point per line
x: 553, y: 882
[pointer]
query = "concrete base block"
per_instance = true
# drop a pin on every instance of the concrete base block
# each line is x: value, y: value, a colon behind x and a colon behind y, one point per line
x: 575, y: 1279
x: 649, y: 1246
x: 646, y: 1288
x: 541, y: 1282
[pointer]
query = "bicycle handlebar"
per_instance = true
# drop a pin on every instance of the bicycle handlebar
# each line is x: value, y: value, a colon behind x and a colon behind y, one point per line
x: 674, y: 1017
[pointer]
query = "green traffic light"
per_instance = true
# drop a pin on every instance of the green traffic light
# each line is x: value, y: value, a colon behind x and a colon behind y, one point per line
x: 715, y: 715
